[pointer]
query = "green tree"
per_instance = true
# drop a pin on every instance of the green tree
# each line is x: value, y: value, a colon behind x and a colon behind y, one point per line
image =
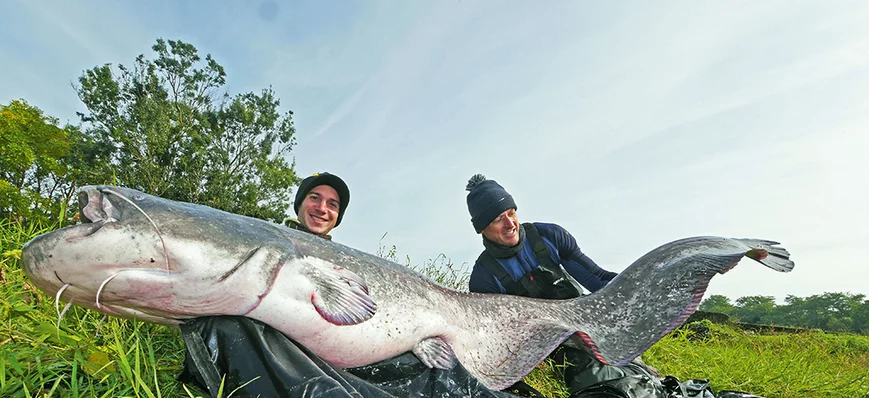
x: 861, y: 314
x: 835, y: 312
x: 828, y: 311
x: 31, y: 170
x: 717, y: 303
x: 88, y: 160
x: 164, y: 127
x: 755, y: 309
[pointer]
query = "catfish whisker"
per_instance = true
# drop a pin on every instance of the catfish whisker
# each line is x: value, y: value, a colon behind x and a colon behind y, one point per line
x: 100, y: 324
x: 60, y: 315
x: 153, y: 224
x: 102, y: 285
x: 57, y: 299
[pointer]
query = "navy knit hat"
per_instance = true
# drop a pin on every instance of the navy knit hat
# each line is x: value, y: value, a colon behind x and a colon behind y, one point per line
x: 317, y: 179
x: 486, y: 200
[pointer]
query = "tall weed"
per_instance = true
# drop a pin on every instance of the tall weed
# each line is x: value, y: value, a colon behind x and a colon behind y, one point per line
x: 41, y: 357
x: 811, y: 364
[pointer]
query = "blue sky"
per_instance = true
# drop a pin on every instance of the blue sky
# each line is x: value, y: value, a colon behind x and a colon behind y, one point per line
x: 630, y: 123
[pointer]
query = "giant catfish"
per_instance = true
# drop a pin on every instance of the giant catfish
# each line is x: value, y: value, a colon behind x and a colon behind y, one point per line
x: 140, y: 256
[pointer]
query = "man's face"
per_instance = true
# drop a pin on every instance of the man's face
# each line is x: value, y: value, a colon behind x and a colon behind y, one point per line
x: 504, y: 230
x: 319, y: 211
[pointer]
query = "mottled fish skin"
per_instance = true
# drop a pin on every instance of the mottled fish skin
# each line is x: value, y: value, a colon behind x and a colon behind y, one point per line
x: 349, y: 307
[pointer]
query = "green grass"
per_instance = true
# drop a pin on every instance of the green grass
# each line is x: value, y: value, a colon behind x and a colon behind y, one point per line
x: 811, y: 364
x: 85, y: 357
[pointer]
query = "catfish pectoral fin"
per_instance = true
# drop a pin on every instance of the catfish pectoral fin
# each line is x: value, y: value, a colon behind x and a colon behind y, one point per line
x: 435, y: 353
x: 340, y: 296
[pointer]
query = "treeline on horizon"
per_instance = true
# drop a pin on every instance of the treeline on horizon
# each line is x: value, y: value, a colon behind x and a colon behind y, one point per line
x: 830, y: 312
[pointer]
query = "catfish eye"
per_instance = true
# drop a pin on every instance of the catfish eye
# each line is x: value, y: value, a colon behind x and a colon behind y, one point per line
x: 138, y: 196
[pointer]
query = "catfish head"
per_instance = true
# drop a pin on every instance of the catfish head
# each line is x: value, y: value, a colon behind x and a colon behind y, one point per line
x: 140, y: 256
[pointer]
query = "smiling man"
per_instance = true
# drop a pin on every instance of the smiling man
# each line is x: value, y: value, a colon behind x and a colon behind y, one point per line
x: 515, y: 253
x: 539, y: 260
x: 320, y: 204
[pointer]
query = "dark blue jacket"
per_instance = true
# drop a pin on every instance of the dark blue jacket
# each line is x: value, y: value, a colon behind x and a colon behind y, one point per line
x: 563, y: 250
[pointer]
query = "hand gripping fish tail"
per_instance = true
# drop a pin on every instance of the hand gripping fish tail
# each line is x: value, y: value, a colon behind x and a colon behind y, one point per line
x: 162, y: 261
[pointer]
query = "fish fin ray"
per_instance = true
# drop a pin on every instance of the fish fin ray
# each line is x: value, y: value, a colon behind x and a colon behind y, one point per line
x: 767, y: 253
x: 340, y: 296
x: 654, y: 298
x: 435, y: 353
x: 515, y: 356
x: 622, y: 333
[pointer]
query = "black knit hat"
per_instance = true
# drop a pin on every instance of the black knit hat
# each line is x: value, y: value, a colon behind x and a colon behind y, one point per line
x: 317, y: 179
x: 486, y: 200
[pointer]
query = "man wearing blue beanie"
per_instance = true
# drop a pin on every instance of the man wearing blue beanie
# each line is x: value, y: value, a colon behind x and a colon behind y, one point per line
x: 538, y: 260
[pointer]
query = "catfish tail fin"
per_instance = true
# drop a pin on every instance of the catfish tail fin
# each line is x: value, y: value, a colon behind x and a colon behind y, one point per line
x: 658, y: 292
x: 767, y: 253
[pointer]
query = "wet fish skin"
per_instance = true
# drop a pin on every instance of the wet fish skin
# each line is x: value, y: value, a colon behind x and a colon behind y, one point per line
x: 349, y: 307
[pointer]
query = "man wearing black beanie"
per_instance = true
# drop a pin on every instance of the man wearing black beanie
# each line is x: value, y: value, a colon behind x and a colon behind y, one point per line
x: 538, y: 260
x: 320, y: 203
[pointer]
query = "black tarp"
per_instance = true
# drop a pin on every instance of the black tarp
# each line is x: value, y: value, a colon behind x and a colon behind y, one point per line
x: 252, y: 359
x: 258, y: 360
